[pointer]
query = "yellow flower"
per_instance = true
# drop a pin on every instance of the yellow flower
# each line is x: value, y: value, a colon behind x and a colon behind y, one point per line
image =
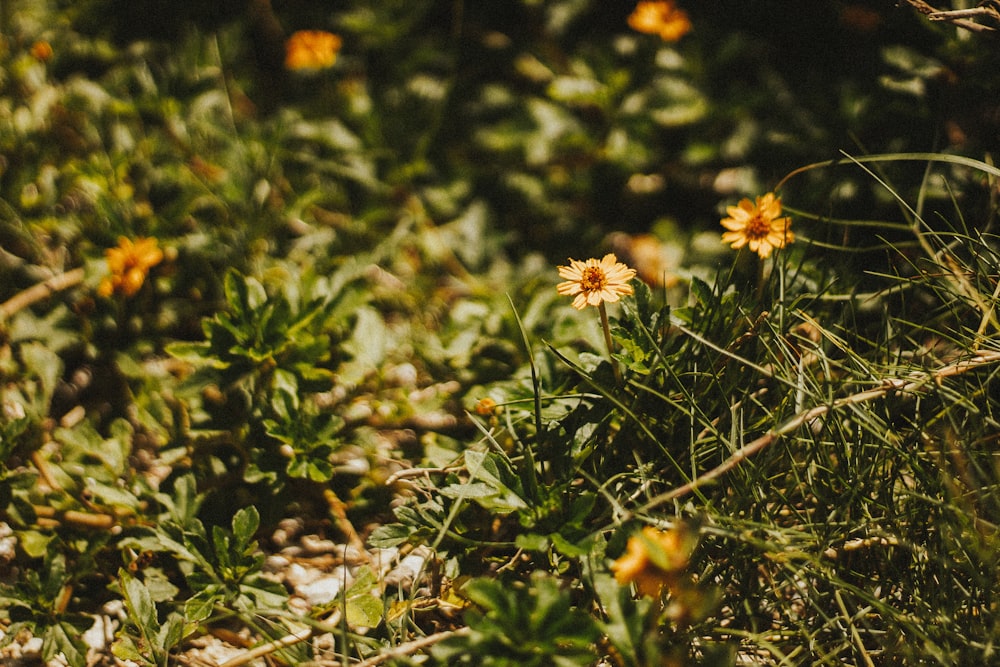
x: 660, y: 17
x: 311, y: 49
x: 129, y: 264
x: 653, y: 559
x: 595, y: 281
x: 759, y: 226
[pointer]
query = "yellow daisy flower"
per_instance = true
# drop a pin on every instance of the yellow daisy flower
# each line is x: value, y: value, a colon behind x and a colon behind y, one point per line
x: 311, y: 49
x: 595, y: 281
x: 660, y: 17
x: 759, y: 226
x: 129, y: 264
x: 652, y: 559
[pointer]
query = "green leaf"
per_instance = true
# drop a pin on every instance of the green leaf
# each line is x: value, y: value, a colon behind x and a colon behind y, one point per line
x: 643, y: 299
x: 221, y: 540
x: 286, y: 394
x: 262, y: 594
x: 43, y: 363
x: 245, y: 524
x: 243, y: 293
x: 124, y: 648
x: 64, y: 638
x: 201, y: 605
x: 364, y: 608
x: 310, y: 468
x: 569, y: 549
x: 701, y: 291
x: 160, y: 588
x: 532, y: 542
x: 173, y: 630
x: 197, y: 353
x: 470, y: 490
x: 34, y: 543
x: 140, y: 603
x: 183, y: 504
x: 364, y: 611
x: 389, y: 535
x: 368, y: 345
x: 111, y: 495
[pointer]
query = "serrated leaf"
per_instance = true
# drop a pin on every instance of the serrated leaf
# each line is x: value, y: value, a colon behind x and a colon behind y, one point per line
x: 159, y: 585
x: 184, y: 503
x: 390, y: 535
x: 172, y: 631
x: 643, y: 299
x: 65, y: 639
x: 701, y: 291
x: 263, y: 593
x: 124, y: 648
x: 201, y: 605
x: 140, y: 604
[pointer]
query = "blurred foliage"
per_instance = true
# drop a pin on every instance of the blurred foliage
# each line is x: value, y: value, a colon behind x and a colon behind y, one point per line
x: 354, y: 323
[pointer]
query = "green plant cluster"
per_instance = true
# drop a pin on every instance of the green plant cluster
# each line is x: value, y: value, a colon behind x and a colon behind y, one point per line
x: 354, y: 324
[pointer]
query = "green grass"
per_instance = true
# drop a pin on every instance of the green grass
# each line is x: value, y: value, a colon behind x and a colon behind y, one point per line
x: 354, y: 340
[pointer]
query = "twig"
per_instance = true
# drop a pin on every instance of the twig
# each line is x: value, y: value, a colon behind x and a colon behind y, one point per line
x: 957, y: 17
x: 49, y: 517
x: 278, y: 644
x: 406, y: 473
x: 890, y: 385
x: 44, y: 472
x: 40, y: 291
x: 411, y: 647
x: 338, y: 511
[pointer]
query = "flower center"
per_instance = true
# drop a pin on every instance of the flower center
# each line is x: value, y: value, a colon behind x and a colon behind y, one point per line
x: 758, y: 227
x: 593, y: 279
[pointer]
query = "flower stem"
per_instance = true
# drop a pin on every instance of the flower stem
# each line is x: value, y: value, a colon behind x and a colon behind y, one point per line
x: 607, y: 341
x: 760, y: 278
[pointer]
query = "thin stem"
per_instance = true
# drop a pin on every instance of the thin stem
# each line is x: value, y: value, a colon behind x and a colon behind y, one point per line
x: 411, y: 647
x: 911, y: 384
x: 607, y: 340
x: 760, y: 278
x: 37, y: 292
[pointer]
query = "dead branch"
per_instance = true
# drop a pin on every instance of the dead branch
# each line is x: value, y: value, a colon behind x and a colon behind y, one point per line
x: 988, y: 10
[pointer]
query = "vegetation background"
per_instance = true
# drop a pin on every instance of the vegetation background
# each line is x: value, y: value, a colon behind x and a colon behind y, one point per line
x: 285, y: 378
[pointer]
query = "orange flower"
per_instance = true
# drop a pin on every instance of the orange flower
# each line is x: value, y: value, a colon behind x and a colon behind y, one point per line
x: 759, y: 226
x: 311, y: 49
x: 660, y: 17
x: 595, y: 281
x: 653, y: 558
x: 486, y: 406
x: 41, y: 50
x: 129, y: 264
